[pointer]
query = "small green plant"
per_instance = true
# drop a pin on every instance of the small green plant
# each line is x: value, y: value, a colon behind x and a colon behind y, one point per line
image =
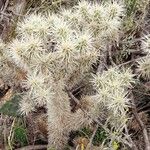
x: 100, y: 137
x: 20, y: 134
x: 11, y: 107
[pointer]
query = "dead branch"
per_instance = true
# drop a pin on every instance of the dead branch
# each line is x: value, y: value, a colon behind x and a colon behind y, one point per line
x: 109, y: 48
x: 141, y: 124
x: 33, y: 147
x: 10, y: 134
x: 89, y: 146
x: 4, y: 9
x: 133, y: 146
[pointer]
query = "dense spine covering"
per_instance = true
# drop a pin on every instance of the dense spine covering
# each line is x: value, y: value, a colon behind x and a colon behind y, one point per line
x: 112, y: 94
x: 144, y: 63
x: 51, y: 48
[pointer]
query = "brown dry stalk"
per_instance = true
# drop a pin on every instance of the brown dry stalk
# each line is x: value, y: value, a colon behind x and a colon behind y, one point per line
x: 33, y: 147
x: 141, y: 124
x: 10, y: 134
x: 89, y: 146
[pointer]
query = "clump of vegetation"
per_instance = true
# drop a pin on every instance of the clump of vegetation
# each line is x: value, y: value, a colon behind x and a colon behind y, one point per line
x: 53, y: 53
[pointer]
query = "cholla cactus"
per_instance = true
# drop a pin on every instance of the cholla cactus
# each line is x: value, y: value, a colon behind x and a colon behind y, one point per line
x: 7, y: 71
x: 2, y: 47
x: 33, y: 24
x: 112, y: 93
x: 61, y: 120
x: 144, y: 67
x: 144, y: 64
x: 54, y: 49
x: 146, y: 44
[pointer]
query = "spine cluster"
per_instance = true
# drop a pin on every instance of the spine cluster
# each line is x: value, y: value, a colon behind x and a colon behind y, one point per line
x: 55, y: 51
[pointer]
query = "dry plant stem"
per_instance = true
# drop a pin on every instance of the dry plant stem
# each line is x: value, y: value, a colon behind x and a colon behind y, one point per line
x: 110, y: 55
x: 5, y: 7
x: 10, y: 134
x: 1, y: 5
x: 141, y: 92
x: 19, y: 7
x: 18, y: 10
x: 144, y: 107
x: 33, y: 147
x: 89, y: 146
x: 102, y: 64
x: 6, y: 4
x: 133, y: 146
x: 77, y: 147
x: 128, y: 62
x: 141, y: 124
x: 5, y: 131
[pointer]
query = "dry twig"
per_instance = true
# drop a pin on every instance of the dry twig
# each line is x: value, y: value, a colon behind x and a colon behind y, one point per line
x: 89, y: 146
x: 141, y: 124
x: 33, y: 147
x: 10, y: 134
x: 4, y: 9
x: 133, y: 146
